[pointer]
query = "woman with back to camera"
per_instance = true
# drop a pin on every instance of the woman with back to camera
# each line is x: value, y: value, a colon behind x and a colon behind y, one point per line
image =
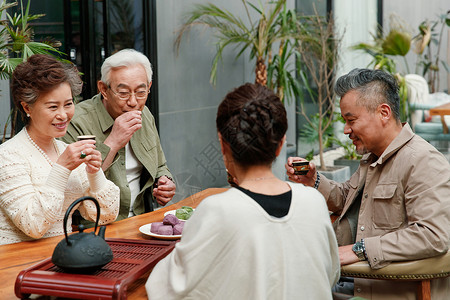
x: 39, y: 175
x: 263, y: 239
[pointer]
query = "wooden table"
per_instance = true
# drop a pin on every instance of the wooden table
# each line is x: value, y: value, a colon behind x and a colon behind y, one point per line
x: 441, y: 110
x: 17, y: 257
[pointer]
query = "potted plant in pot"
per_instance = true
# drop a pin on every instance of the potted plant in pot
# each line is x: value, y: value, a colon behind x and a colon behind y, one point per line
x: 350, y: 157
x: 318, y: 59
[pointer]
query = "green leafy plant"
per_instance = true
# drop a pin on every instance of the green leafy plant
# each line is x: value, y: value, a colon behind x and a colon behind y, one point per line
x: 309, y: 133
x: 310, y: 155
x: 349, y: 149
x: 274, y: 27
x: 16, y: 45
x: 427, y: 47
x: 317, y: 64
x: 16, y: 39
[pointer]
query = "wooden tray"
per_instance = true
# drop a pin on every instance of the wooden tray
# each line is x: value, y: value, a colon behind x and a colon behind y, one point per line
x: 132, y: 259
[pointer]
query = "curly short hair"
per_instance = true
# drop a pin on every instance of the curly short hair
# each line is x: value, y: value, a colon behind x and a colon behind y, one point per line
x: 252, y: 120
x: 40, y: 74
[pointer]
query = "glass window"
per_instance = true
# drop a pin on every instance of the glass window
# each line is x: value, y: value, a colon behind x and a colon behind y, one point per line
x: 126, y: 25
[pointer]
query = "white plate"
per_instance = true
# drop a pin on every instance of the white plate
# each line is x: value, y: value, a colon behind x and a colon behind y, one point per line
x: 170, y: 212
x: 145, y: 229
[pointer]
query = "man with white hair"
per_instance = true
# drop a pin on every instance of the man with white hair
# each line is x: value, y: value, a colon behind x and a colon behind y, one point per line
x: 126, y: 133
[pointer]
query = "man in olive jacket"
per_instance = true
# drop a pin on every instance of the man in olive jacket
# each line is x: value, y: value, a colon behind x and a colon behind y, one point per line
x: 396, y: 207
x: 126, y: 133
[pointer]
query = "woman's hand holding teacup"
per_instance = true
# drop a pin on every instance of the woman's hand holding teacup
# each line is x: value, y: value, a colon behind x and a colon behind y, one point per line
x: 93, y: 161
x: 81, y: 152
x: 309, y: 179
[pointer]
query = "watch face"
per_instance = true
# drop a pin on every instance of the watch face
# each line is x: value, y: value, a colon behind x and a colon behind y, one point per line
x: 358, y: 249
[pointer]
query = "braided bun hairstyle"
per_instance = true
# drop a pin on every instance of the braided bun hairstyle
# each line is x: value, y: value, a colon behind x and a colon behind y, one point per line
x: 40, y: 74
x: 252, y: 120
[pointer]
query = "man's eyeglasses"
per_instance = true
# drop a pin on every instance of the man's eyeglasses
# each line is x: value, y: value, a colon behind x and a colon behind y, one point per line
x: 124, y: 96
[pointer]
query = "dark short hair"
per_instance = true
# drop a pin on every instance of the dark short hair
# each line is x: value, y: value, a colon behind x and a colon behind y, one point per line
x: 40, y: 74
x: 374, y: 87
x: 252, y: 120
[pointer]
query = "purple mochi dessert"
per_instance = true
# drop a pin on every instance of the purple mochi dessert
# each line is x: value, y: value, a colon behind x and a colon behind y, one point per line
x: 165, y: 230
x: 178, y: 229
x: 171, y: 220
x: 155, y: 227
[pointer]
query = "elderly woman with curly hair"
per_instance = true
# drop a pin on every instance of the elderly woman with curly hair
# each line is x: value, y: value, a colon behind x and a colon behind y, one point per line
x: 39, y: 175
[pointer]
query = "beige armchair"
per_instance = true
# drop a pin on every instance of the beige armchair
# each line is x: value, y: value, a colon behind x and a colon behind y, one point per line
x: 422, y: 271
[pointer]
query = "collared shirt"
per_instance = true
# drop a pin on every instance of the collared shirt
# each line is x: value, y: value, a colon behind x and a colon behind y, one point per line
x: 134, y: 170
x: 405, y: 207
x: 91, y: 117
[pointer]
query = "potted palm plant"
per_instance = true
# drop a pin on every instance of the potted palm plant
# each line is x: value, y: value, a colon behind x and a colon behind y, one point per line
x: 269, y: 33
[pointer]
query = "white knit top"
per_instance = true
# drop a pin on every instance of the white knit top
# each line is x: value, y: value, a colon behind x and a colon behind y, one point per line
x: 232, y: 249
x: 34, y: 195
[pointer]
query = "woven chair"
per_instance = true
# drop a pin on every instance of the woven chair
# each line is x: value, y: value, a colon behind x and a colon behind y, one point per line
x: 422, y: 271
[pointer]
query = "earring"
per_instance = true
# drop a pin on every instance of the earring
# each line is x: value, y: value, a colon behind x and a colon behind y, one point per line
x: 230, y: 179
x: 28, y: 115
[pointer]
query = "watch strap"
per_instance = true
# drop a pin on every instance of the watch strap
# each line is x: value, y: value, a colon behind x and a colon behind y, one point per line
x: 359, y: 249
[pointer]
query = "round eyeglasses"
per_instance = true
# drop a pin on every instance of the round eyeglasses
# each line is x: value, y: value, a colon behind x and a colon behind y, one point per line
x: 125, y: 96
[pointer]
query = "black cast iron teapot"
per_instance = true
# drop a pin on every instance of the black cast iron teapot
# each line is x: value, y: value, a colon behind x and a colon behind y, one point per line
x: 82, y: 252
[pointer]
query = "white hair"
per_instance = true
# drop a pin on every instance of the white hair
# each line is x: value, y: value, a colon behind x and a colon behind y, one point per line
x: 125, y: 58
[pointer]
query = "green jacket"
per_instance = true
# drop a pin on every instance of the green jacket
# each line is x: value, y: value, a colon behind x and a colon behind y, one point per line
x: 91, y: 117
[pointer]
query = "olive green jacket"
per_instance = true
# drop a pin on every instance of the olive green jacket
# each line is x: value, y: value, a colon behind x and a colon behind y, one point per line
x: 404, y: 213
x: 91, y: 117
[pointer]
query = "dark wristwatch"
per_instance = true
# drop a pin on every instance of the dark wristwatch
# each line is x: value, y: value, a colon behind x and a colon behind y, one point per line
x: 359, y: 249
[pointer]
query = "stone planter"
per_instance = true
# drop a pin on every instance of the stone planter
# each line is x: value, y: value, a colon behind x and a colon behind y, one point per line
x: 336, y: 173
x: 352, y: 163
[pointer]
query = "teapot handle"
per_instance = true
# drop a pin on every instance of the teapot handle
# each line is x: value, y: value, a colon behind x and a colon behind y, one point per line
x: 69, y: 209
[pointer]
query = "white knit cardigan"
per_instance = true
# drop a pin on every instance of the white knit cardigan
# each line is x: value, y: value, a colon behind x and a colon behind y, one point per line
x: 35, y: 195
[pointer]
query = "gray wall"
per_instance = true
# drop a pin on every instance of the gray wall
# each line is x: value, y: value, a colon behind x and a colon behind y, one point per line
x: 188, y: 102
